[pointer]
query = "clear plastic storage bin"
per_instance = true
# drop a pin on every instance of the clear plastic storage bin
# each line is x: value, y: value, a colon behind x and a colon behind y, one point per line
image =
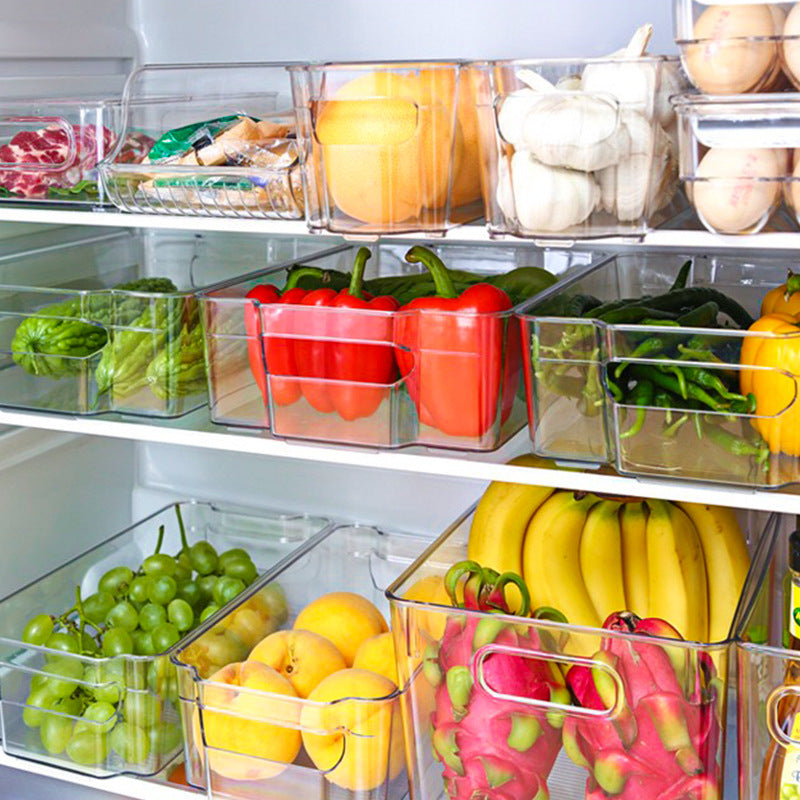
x: 573, y: 365
x: 245, y: 740
x: 732, y: 48
x: 577, y: 149
x: 50, y: 149
x: 223, y: 143
x: 485, y: 699
x: 391, y: 147
x: 738, y: 159
x: 141, y: 688
x: 464, y: 394
x: 769, y: 678
x: 78, y: 345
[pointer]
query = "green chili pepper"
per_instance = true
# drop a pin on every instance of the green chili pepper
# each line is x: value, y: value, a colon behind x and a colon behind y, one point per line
x: 709, y: 380
x: 640, y: 396
x: 738, y: 446
x: 635, y: 314
x: 672, y: 384
x: 682, y: 277
x: 673, y: 428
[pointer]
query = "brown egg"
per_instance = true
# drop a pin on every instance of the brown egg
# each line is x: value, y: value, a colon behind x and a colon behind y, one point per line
x: 724, y: 59
x: 791, y: 189
x: 790, y: 47
x: 736, y: 193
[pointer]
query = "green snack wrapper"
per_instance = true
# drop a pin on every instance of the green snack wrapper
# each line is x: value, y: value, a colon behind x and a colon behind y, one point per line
x: 178, y: 141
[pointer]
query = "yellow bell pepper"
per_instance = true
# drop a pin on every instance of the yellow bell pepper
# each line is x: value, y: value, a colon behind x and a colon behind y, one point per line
x: 777, y: 416
x: 783, y: 299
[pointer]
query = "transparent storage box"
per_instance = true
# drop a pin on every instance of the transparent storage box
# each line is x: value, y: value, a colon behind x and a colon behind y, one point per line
x: 577, y: 369
x: 223, y: 143
x: 141, y: 688
x: 733, y: 48
x: 50, y: 149
x: 738, y: 159
x: 464, y: 394
x: 391, y: 147
x: 244, y: 741
x: 576, y: 149
x: 769, y: 673
x: 71, y: 343
x: 471, y: 723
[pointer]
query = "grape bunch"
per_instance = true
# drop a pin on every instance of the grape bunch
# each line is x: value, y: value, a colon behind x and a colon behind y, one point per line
x: 86, y: 708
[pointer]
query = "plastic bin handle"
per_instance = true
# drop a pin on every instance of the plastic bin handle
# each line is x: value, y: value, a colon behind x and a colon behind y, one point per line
x: 791, y: 694
x: 479, y: 677
x: 37, y: 123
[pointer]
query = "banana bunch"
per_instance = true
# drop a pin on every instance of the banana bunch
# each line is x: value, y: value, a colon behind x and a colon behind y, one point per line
x: 590, y: 556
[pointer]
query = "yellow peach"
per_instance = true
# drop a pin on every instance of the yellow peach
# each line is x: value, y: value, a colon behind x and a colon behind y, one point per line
x: 377, y: 655
x: 241, y: 704
x: 352, y: 731
x: 303, y: 657
x: 430, y: 589
x: 347, y: 619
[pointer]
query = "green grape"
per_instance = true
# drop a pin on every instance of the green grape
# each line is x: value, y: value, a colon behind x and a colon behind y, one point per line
x: 87, y: 748
x: 190, y: 592
x: 137, y: 593
x: 69, y: 705
x: 180, y: 614
x: 164, y: 636
x: 38, y: 630
x: 182, y: 574
x: 142, y: 709
x: 131, y: 743
x: 65, y: 642
x: 143, y: 643
x: 206, y: 586
x: 99, y: 718
x: 117, y: 642
x: 110, y: 686
x: 184, y: 561
x: 203, y: 557
x: 235, y: 552
x: 123, y: 615
x: 210, y: 609
x: 151, y: 616
x: 96, y: 606
x: 116, y: 581
x: 165, y: 739
x: 64, y: 676
x: 162, y: 590
x: 226, y: 588
x: 55, y: 732
x: 37, y: 702
x: 159, y: 564
x: 241, y: 568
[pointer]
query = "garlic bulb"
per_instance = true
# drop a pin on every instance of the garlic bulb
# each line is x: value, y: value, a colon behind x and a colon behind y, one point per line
x: 549, y: 199
x: 511, y: 116
x: 569, y: 83
x: 505, y: 191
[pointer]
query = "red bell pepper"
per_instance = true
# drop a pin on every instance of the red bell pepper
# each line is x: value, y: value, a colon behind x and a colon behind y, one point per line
x: 349, y: 350
x: 460, y: 367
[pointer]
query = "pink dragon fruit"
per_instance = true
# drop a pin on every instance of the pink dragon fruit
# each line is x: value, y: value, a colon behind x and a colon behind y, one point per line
x: 662, y: 743
x: 491, y: 747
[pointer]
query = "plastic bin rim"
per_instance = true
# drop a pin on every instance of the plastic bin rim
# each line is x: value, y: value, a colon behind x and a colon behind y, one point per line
x: 389, y: 64
x: 775, y: 37
x: 490, y: 63
x: 770, y: 102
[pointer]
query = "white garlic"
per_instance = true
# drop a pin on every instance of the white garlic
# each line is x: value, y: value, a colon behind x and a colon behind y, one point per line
x: 505, y: 191
x: 549, y: 199
x: 569, y: 83
x: 511, y: 116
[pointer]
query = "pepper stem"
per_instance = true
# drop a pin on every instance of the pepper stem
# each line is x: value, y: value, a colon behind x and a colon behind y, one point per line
x: 439, y: 272
x: 792, y: 284
x: 296, y: 274
x: 356, y: 281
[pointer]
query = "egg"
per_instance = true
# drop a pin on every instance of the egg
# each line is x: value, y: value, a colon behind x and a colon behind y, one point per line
x: 791, y: 191
x: 735, y: 193
x: 790, y: 47
x: 724, y: 59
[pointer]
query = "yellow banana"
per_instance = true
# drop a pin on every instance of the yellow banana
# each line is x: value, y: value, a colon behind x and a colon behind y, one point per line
x: 676, y: 570
x: 601, y: 559
x: 633, y: 524
x: 499, y: 524
x: 551, y: 557
x: 727, y: 560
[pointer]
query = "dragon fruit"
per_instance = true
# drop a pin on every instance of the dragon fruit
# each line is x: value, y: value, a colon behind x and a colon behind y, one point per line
x: 491, y: 746
x: 662, y: 741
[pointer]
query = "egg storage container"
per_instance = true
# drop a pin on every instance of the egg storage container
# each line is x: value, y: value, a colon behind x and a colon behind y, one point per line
x: 122, y: 333
x: 50, y: 149
x: 578, y: 148
x: 45, y: 688
x: 493, y: 697
x: 324, y: 726
x: 390, y: 147
x: 738, y: 159
x: 769, y: 672
x: 378, y: 377
x: 221, y: 138
x: 583, y: 369
x: 733, y: 48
